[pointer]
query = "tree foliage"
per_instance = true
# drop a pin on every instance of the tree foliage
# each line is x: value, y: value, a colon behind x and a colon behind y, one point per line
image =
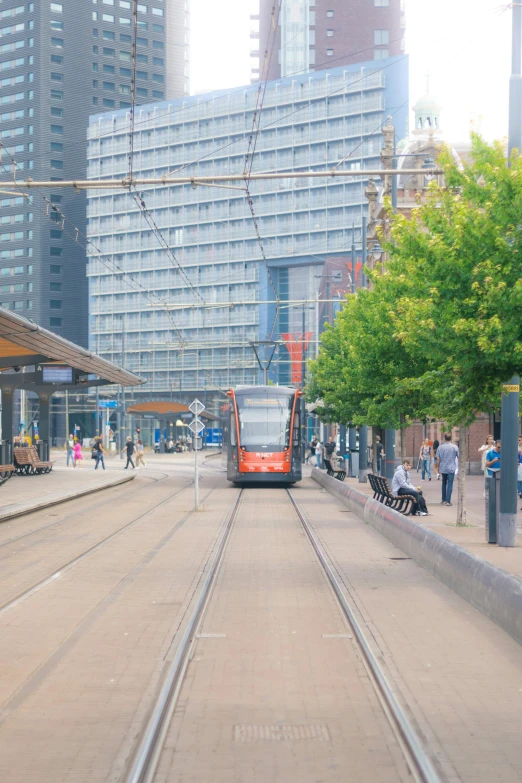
x: 440, y: 329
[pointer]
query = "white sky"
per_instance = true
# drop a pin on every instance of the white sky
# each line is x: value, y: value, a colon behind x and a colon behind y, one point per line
x: 465, y: 45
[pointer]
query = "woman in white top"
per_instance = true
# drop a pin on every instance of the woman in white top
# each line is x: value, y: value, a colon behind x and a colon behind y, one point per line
x: 483, y: 450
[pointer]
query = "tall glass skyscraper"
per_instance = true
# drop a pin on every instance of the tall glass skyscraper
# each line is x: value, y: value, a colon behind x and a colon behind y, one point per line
x: 60, y: 61
x: 184, y: 318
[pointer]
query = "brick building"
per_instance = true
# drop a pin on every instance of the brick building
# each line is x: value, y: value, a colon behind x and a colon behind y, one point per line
x: 319, y: 34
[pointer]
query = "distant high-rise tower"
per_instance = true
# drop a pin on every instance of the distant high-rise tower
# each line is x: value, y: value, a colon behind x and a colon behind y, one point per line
x: 319, y: 34
x: 61, y: 61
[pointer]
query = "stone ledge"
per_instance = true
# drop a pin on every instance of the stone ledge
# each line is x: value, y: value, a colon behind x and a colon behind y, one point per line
x: 488, y: 588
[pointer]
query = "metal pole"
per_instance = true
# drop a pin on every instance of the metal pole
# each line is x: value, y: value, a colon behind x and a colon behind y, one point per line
x: 303, y: 404
x: 363, y: 454
x: 196, y: 473
x: 507, y: 532
x: 389, y: 450
x: 328, y: 303
x: 364, y: 260
x: 352, y: 445
x: 66, y: 413
x: 96, y: 415
x: 389, y: 444
x: 353, y: 258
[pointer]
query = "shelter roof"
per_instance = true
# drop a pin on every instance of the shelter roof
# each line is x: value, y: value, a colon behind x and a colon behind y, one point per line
x: 23, y: 339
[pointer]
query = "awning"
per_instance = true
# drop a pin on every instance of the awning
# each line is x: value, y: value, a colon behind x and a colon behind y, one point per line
x: 163, y: 410
x: 21, y: 339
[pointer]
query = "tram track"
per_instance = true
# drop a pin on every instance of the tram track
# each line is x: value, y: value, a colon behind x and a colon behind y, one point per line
x: 146, y: 757
x: 79, y: 513
x: 15, y: 600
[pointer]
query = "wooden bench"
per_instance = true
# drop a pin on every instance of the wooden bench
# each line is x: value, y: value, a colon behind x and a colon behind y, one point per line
x: 27, y: 462
x: 338, y: 473
x: 382, y: 492
x: 6, y: 471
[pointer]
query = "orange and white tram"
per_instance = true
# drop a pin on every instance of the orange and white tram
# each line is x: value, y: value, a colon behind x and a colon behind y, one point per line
x: 262, y: 435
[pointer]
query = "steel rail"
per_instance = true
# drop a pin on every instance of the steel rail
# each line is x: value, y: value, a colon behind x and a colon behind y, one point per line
x: 147, y: 754
x: 57, y: 572
x: 126, y: 183
x: 67, y: 517
x: 420, y: 764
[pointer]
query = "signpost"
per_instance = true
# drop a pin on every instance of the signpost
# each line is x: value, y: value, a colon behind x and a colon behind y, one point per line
x: 108, y: 404
x: 196, y: 426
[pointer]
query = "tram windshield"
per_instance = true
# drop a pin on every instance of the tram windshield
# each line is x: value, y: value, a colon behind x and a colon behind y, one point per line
x: 264, y: 422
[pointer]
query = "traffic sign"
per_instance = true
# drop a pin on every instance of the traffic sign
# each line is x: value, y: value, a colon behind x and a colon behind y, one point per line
x: 108, y: 404
x: 196, y: 426
x: 197, y: 407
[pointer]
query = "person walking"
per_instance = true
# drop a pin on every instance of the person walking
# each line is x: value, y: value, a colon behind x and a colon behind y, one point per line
x: 319, y: 454
x: 98, y: 452
x: 483, y: 450
x: 329, y: 451
x: 68, y: 447
x: 425, y: 458
x: 379, y: 448
x: 493, y: 459
x: 435, y: 449
x: 446, y: 465
x: 78, y: 456
x: 401, y: 485
x: 129, y: 448
x: 140, y: 455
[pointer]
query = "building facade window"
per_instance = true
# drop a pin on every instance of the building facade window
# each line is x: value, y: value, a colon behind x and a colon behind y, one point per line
x: 381, y: 37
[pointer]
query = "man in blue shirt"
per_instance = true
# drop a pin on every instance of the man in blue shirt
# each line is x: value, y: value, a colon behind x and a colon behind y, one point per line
x: 493, y: 459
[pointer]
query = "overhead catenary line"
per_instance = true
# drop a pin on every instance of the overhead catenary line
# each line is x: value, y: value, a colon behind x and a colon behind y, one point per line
x: 252, y: 142
x: 78, y: 233
x: 116, y: 184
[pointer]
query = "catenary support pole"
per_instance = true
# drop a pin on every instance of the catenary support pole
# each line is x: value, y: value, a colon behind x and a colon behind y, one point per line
x: 352, y: 445
x: 196, y: 468
x: 389, y: 450
x: 390, y: 434
x: 507, y: 532
x: 303, y: 403
x: 364, y: 248
x: 363, y: 454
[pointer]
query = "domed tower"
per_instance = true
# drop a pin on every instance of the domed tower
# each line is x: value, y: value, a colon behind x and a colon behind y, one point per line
x: 427, y: 115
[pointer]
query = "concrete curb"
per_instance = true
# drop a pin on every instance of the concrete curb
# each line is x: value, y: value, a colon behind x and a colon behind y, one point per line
x: 19, y: 510
x: 488, y: 588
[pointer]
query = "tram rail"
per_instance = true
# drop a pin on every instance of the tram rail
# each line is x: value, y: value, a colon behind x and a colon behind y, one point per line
x: 64, y: 567
x: 145, y: 760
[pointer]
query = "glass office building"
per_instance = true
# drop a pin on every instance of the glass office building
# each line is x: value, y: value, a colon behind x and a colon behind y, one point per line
x: 179, y: 283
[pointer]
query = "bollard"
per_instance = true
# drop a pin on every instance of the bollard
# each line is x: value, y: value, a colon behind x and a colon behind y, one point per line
x: 492, y: 503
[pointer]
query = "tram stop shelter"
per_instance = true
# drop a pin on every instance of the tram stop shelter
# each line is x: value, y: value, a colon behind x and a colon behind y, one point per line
x: 165, y: 413
x: 55, y: 364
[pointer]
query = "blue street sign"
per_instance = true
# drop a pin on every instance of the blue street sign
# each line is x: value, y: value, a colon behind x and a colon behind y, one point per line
x: 108, y: 404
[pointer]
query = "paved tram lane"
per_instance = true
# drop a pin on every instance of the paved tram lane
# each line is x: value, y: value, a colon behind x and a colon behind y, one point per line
x: 459, y: 673
x: 275, y: 690
x: 82, y: 656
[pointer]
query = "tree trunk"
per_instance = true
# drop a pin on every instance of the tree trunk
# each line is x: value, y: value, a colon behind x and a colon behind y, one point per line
x: 461, y: 478
x: 374, y: 450
x: 403, y: 437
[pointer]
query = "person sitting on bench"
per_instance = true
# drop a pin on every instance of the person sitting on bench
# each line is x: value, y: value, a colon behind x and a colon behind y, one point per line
x: 401, y: 485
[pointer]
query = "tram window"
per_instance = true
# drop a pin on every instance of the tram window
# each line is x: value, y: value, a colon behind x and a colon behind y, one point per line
x: 232, y: 431
x: 264, y: 421
x: 296, y: 441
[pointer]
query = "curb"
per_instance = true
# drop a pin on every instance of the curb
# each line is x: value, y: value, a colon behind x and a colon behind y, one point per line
x: 16, y: 510
x: 490, y: 589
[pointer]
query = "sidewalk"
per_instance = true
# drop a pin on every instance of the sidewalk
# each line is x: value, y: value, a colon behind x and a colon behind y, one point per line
x: 442, y: 520
x: 24, y: 494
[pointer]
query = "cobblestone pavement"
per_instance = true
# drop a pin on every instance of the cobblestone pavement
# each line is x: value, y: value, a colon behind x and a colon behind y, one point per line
x: 459, y: 673
x: 271, y: 696
x: 275, y: 689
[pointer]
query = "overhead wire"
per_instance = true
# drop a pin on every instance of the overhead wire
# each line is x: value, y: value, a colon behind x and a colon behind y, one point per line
x: 111, y: 266
x: 252, y: 142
